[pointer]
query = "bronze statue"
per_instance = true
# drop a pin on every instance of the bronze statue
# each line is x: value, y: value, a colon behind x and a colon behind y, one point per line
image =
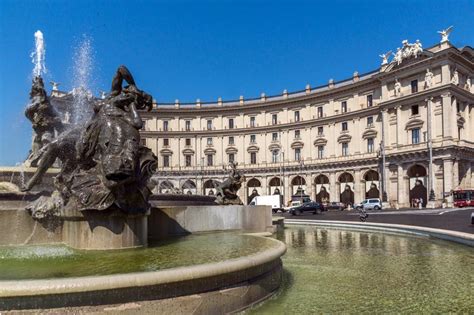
x: 226, y: 192
x: 44, y: 119
x: 104, y: 166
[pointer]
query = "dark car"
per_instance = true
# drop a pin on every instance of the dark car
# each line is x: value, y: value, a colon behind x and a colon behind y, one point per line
x: 313, y: 207
x: 335, y: 206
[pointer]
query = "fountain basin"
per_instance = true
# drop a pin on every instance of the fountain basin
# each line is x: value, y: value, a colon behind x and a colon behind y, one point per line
x: 222, y: 286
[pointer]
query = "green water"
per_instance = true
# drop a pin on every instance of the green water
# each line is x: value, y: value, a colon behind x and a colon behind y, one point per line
x: 334, y: 271
x: 43, y: 262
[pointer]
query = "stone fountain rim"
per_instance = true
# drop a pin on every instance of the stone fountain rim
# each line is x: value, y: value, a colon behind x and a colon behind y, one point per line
x: 448, y: 235
x: 39, y: 287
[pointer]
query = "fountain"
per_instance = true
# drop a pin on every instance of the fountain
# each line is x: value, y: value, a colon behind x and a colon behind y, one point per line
x: 83, y: 230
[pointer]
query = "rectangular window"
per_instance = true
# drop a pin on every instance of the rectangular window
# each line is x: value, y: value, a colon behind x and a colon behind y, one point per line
x: 188, y: 141
x: 210, y: 159
x: 370, y: 121
x: 297, y: 115
x: 209, y: 141
x: 320, y: 151
x: 343, y: 107
x: 188, y: 160
x: 188, y: 125
x: 345, y: 149
x: 275, y: 154
x: 209, y: 124
x: 165, y: 125
x: 274, y: 136
x: 274, y: 119
x: 166, y: 142
x: 297, y: 154
x: 414, y: 86
x: 297, y: 134
x: 320, y: 131
x: 344, y: 126
x: 252, y: 139
x: 166, y: 161
x: 231, y: 157
x: 370, y: 100
x: 370, y: 145
x: 231, y: 123
x: 253, y: 157
x: 320, y: 111
x: 252, y: 121
x: 415, y: 136
x: 231, y: 141
x: 414, y: 110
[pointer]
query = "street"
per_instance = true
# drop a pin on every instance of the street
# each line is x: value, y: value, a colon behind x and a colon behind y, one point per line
x: 455, y: 219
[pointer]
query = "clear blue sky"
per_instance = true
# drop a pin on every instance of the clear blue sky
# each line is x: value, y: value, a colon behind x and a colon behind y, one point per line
x: 192, y: 49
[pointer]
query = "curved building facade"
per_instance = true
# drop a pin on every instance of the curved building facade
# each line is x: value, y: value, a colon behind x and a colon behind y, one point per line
x: 404, y: 132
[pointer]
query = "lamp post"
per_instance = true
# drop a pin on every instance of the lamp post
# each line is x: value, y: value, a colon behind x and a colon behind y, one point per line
x: 432, y: 196
x: 382, y: 152
x: 282, y: 174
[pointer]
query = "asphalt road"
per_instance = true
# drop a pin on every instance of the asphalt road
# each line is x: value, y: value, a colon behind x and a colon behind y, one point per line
x: 449, y: 219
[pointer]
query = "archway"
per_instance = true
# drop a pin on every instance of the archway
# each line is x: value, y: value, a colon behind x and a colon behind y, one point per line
x: 189, y: 187
x: 346, y: 182
x: 418, y: 180
x: 210, y: 186
x: 372, y: 184
x: 253, y: 189
x: 322, y: 189
x: 298, y: 186
x: 276, y: 186
x: 166, y: 187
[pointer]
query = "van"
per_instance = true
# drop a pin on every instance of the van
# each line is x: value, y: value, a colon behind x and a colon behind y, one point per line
x: 370, y: 204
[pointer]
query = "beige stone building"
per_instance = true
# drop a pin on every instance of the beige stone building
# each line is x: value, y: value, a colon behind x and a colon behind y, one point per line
x: 409, y: 123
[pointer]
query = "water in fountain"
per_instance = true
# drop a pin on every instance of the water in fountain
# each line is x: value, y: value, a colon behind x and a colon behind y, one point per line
x: 39, y: 55
x: 82, y: 81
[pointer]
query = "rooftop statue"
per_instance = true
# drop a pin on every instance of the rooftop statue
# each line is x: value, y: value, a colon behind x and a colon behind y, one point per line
x: 385, y: 57
x: 103, y: 164
x: 226, y: 192
x: 445, y: 34
x: 407, y: 51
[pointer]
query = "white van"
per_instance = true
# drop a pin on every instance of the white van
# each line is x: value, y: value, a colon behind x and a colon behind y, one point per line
x: 272, y: 200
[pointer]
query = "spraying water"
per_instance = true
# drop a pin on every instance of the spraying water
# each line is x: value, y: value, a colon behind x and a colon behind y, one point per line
x: 39, y: 55
x: 82, y: 77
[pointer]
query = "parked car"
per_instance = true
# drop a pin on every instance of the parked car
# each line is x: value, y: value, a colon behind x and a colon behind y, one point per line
x: 369, y: 204
x: 313, y: 207
x: 335, y: 206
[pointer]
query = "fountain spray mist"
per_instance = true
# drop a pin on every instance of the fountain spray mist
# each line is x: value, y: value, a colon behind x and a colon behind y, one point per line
x: 38, y: 56
x: 82, y: 81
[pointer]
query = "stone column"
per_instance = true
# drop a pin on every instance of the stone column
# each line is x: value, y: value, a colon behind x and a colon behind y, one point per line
x: 288, y: 193
x: 403, y: 192
x: 332, y: 183
x: 245, y: 193
x: 359, y: 193
x: 455, y: 173
x: 400, y: 129
x: 448, y: 179
x: 447, y: 113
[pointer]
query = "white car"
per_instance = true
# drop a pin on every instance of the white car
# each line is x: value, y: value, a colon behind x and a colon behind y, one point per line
x: 370, y: 204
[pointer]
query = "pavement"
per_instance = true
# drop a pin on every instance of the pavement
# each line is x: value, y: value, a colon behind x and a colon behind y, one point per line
x: 455, y: 219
